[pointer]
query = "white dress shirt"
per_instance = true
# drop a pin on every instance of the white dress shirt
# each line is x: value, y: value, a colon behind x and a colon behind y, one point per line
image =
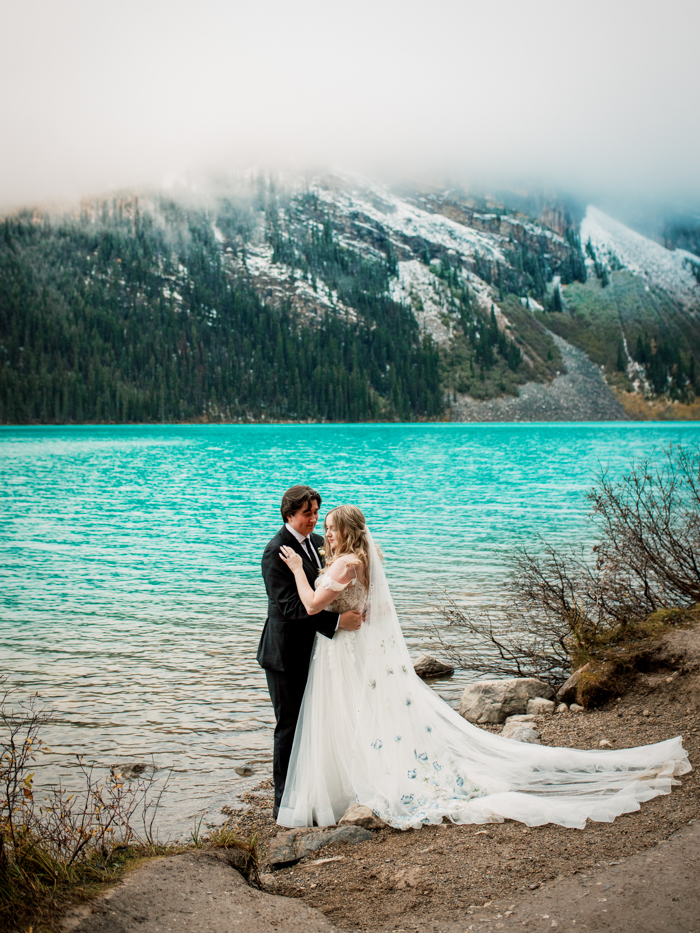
x: 302, y: 539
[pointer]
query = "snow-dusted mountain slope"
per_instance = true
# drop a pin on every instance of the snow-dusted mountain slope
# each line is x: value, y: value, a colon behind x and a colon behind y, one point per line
x: 618, y: 245
x: 400, y: 303
x: 469, y: 270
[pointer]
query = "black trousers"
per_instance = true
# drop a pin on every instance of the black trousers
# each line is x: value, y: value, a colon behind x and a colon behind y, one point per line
x: 286, y: 693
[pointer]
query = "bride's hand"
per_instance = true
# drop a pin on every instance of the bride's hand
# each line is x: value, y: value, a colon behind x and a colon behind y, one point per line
x: 291, y: 558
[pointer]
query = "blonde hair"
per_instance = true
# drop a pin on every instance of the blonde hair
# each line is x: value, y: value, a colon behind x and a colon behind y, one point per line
x: 352, y: 534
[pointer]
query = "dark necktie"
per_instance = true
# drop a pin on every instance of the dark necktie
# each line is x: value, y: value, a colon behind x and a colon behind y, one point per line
x: 308, y: 547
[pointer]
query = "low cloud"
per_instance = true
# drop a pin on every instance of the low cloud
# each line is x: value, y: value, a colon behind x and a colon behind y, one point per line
x: 600, y: 99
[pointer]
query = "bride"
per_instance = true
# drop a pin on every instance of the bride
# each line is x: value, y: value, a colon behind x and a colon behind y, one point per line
x: 371, y: 732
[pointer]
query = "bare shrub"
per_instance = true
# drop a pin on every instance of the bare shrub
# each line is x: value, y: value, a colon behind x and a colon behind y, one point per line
x: 67, y: 838
x: 501, y: 642
x: 650, y: 528
x: 567, y: 606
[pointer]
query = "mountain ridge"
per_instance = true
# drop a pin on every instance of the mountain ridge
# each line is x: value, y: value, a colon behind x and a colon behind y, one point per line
x: 401, y: 305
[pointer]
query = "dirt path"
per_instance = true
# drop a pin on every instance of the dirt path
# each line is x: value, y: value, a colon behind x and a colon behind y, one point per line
x: 198, y: 892
x: 657, y: 891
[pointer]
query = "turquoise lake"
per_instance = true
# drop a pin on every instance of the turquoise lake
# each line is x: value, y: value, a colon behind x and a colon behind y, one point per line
x: 132, y: 600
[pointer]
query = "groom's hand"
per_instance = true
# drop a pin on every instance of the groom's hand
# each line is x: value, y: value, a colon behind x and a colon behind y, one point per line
x: 350, y: 620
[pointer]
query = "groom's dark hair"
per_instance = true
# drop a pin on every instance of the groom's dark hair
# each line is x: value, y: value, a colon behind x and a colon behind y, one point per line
x: 296, y: 498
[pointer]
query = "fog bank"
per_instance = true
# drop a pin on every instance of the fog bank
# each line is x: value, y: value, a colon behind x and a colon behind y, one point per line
x: 600, y: 98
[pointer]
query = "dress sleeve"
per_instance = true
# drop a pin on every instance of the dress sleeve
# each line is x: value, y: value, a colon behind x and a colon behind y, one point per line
x: 325, y: 580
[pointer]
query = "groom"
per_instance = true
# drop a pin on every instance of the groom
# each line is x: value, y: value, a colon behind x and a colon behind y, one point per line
x: 288, y: 635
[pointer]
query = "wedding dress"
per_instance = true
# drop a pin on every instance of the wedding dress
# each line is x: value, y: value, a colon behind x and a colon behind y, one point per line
x: 371, y: 732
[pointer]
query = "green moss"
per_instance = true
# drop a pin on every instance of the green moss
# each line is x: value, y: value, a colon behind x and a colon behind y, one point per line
x: 617, y: 655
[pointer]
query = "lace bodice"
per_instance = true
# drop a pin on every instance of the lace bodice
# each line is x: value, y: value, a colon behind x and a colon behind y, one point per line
x: 352, y: 595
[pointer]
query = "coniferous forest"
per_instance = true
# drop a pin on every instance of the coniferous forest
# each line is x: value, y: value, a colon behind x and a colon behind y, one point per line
x: 119, y: 323
x: 277, y: 305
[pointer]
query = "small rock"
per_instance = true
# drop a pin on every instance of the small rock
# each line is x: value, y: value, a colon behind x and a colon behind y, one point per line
x: 305, y: 845
x: 495, y: 700
x: 359, y: 815
x: 521, y: 717
x: 575, y: 708
x: 319, y: 839
x: 540, y: 707
x: 134, y: 770
x: 428, y: 666
x: 281, y: 850
x: 244, y: 770
x: 604, y: 742
x: 408, y: 878
x: 350, y: 834
x: 562, y: 708
x: 568, y: 691
x: 521, y: 732
x: 646, y: 712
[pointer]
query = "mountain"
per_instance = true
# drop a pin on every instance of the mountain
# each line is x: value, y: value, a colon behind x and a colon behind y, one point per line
x: 331, y: 298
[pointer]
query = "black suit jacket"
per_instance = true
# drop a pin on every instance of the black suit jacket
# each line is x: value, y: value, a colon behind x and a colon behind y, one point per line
x: 288, y: 635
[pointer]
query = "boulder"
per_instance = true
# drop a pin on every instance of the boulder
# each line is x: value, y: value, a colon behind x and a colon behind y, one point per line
x: 359, y: 815
x: 281, y: 850
x: 288, y: 848
x: 540, y: 707
x: 428, y: 666
x: 305, y: 845
x: 495, y: 700
x: 521, y: 732
x: 568, y: 692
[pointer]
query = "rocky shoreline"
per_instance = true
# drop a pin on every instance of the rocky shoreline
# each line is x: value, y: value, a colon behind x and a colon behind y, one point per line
x: 451, y: 878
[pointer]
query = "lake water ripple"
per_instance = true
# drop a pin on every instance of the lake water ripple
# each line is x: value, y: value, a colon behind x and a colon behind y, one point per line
x: 132, y: 599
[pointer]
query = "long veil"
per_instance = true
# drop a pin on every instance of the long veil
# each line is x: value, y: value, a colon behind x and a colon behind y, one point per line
x: 372, y: 732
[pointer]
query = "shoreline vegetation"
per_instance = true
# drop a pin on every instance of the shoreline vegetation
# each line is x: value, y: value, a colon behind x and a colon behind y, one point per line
x: 623, y: 628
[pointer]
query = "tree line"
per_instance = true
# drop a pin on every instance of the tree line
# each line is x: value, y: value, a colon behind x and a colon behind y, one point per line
x: 114, y: 322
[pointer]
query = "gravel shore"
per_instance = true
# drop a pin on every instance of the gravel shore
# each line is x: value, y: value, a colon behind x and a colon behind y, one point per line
x: 442, y: 874
x: 636, y: 875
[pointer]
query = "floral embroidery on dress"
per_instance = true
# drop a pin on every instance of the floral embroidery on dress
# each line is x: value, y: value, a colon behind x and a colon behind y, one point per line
x: 377, y: 744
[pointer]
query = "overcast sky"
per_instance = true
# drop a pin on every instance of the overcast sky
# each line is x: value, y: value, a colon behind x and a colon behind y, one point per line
x: 589, y: 96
